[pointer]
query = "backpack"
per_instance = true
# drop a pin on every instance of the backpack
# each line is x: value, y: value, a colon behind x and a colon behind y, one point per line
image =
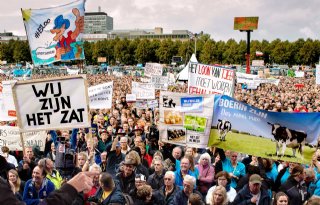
x: 128, y: 199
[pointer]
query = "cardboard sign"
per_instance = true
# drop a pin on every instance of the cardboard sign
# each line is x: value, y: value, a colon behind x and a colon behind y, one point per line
x: 160, y: 82
x: 153, y: 69
x: 207, y: 79
x: 100, y: 96
x: 10, y: 137
x: 52, y: 104
x: 143, y: 91
x: 7, y: 109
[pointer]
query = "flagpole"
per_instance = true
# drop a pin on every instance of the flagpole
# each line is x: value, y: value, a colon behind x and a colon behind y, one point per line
x: 27, y: 36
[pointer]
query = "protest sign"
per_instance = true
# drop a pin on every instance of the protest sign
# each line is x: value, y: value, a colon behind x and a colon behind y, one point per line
x: 207, y: 79
x: 255, y: 80
x: 252, y: 130
x: 7, y: 109
x: 153, y: 69
x: 143, y: 91
x: 299, y: 74
x: 318, y: 74
x: 58, y: 103
x: 100, y: 96
x: 55, y: 34
x: 10, y: 137
x: 131, y: 97
x: 160, y: 82
x: 185, y: 119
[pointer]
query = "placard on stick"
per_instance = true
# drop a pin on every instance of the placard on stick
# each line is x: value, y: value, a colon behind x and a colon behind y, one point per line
x: 57, y: 103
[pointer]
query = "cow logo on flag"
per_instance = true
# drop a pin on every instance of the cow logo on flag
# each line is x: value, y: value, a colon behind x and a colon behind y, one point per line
x: 55, y: 34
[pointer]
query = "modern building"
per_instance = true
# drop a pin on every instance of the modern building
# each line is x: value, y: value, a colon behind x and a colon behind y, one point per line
x: 7, y: 36
x: 97, y: 22
x: 156, y: 33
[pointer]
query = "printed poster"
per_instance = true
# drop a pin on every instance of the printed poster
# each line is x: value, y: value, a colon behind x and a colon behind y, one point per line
x: 185, y: 119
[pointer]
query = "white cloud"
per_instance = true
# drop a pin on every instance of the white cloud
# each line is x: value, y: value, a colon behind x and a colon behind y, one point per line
x: 308, y: 33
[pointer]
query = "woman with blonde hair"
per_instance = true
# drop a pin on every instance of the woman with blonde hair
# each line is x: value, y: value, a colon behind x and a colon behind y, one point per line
x: 219, y: 196
x: 14, y: 178
x: 140, y: 169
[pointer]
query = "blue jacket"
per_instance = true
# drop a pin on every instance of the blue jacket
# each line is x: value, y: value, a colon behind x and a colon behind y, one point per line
x: 30, y: 194
x: 179, y: 178
x: 115, y: 197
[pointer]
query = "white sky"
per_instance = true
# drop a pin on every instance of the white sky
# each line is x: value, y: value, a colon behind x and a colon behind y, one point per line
x: 284, y: 19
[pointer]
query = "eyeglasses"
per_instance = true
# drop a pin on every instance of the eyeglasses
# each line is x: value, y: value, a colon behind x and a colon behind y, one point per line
x: 167, y: 179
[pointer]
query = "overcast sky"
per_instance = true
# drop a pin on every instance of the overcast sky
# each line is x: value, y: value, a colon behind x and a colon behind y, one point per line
x: 284, y: 19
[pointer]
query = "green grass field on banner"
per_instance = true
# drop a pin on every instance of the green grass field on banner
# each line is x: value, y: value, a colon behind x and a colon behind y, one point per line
x: 257, y: 146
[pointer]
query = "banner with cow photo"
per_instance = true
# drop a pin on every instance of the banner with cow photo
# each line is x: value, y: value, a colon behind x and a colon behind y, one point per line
x: 10, y: 137
x: 185, y: 119
x: 207, y: 79
x: 279, y: 135
x: 58, y: 103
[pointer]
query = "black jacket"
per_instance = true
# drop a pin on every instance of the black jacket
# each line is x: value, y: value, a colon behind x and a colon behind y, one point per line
x: 156, y: 181
x: 126, y: 183
x: 169, y: 198
x: 115, y: 197
x: 296, y: 192
x: 244, y: 197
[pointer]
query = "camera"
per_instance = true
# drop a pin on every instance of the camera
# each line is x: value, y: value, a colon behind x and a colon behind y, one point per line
x: 93, y: 199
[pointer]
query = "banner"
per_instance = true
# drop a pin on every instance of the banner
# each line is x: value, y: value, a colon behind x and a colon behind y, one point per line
x: 100, y: 96
x: 259, y: 132
x: 72, y: 71
x: 131, y: 97
x: 318, y: 74
x: 160, y: 82
x: 7, y: 109
x: 185, y: 119
x: 255, y: 80
x: 143, y: 91
x: 257, y: 63
x: 207, y: 79
x: 22, y: 74
x: 10, y: 137
x: 52, y: 104
x: 55, y: 34
x: 299, y: 74
x: 153, y: 69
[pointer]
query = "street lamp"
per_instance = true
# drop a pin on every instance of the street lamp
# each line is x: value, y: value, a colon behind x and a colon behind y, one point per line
x: 195, y: 43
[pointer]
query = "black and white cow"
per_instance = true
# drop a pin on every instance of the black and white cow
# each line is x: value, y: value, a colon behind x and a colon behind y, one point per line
x: 286, y: 137
x: 223, y: 126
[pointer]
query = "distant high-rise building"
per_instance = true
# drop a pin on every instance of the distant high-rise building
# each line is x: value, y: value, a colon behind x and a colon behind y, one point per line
x: 97, y: 22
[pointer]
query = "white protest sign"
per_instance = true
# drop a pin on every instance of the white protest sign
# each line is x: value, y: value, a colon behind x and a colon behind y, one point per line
x: 318, y: 74
x: 153, y: 103
x: 100, y: 96
x: 52, y: 104
x: 299, y: 74
x: 207, y: 79
x: 131, y: 97
x: 7, y: 109
x: 153, y: 69
x: 160, y: 82
x: 143, y: 91
x: 10, y: 137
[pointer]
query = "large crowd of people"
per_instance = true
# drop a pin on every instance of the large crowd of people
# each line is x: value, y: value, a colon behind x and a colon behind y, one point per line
x: 120, y: 160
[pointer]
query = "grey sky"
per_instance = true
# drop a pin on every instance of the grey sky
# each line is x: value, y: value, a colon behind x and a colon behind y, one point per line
x: 284, y: 19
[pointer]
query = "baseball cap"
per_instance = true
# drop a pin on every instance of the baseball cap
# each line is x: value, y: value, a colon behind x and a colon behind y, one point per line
x: 255, y: 179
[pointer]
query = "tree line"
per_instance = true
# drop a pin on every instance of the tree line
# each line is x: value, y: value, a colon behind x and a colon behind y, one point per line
x: 209, y: 51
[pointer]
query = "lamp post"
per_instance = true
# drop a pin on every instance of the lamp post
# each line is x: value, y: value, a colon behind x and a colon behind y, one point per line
x: 195, y: 43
